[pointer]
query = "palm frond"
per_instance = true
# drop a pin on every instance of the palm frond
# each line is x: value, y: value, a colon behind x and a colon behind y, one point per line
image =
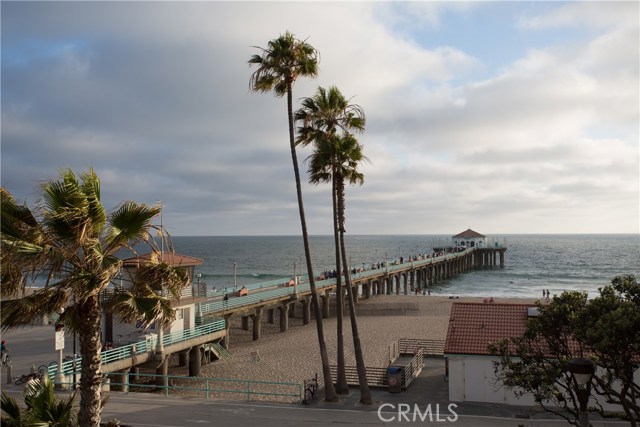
x: 130, y: 222
x: 46, y: 408
x: 281, y: 63
x: 11, y: 409
x: 17, y: 312
x: 96, y: 212
x: 146, y: 309
x: 15, y: 219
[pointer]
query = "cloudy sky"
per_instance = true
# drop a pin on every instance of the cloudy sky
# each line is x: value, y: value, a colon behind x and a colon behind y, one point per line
x: 506, y: 117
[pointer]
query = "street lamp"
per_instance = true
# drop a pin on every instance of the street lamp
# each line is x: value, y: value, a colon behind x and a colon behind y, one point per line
x: 582, y: 370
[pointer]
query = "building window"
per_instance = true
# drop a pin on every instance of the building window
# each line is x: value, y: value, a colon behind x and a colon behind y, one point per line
x: 179, y: 313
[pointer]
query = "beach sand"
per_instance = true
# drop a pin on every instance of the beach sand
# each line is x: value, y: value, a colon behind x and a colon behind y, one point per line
x: 293, y: 356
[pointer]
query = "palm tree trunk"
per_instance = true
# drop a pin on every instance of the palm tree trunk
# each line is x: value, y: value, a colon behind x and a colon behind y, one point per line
x: 90, y: 346
x: 365, y: 393
x: 342, y: 387
x: 329, y: 390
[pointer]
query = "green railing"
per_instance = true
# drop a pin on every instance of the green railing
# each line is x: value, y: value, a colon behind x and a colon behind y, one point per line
x: 141, y: 347
x: 219, y: 292
x: 210, y: 387
x: 283, y: 292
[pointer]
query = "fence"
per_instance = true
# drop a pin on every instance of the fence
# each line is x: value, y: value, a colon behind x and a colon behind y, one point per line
x: 213, y: 387
x: 413, y: 369
x: 430, y: 347
x: 376, y: 377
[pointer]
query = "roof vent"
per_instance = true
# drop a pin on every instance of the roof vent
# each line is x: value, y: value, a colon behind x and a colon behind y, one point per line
x: 533, y: 312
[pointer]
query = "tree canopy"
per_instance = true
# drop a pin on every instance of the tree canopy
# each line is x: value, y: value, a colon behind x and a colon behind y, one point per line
x: 605, y: 329
x: 72, y: 248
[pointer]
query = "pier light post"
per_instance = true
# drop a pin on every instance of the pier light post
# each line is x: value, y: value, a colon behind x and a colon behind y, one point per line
x: 386, y: 262
x: 582, y: 371
x: 295, y: 279
x: 235, y: 270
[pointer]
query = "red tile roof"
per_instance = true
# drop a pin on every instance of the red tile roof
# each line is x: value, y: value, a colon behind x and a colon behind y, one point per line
x: 472, y: 326
x: 469, y: 234
x: 174, y: 260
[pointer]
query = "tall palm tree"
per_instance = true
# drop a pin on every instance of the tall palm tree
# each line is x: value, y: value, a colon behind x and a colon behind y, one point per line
x: 322, y: 116
x: 337, y: 158
x: 72, y: 241
x: 279, y: 66
x: 349, y: 157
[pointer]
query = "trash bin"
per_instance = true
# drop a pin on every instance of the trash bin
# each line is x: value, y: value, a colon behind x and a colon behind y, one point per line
x: 394, y: 374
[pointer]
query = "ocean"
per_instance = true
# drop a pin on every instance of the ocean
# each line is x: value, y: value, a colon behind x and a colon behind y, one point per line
x: 532, y: 262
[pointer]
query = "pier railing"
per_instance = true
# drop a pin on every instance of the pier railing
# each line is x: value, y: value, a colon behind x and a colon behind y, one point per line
x: 282, y: 292
x: 141, y: 347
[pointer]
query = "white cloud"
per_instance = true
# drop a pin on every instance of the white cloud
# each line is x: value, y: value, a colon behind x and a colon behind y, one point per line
x: 155, y: 96
x: 598, y: 14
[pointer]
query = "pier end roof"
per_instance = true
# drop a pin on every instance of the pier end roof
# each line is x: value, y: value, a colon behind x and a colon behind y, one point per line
x: 469, y: 234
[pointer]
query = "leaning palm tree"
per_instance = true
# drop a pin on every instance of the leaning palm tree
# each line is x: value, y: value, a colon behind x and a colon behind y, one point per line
x: 336, y: 159
x: 279, y: 66
x: 70, y: 242
x: 323, y: 115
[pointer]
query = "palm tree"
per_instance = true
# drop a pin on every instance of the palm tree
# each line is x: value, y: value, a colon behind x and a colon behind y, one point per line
x: 43, y: 407
x: 349, y: 157
x: 322, y: 115
x: 71, y: 241
x: 326, y: 113
x: 279, y: 66
x: 336, y: 159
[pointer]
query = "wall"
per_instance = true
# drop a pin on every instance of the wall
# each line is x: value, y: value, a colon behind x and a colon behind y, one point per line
x: 472, y: 379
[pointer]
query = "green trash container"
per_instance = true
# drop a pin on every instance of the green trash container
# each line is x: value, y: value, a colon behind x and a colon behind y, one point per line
x: 394, y: 375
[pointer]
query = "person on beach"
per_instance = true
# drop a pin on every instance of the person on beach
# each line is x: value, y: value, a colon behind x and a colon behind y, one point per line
x: 225, y: 300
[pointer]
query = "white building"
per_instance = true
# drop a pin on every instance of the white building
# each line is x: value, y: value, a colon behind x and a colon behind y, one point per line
x: 470, y: 365
x: 120, y: 333
x: 470, y: 239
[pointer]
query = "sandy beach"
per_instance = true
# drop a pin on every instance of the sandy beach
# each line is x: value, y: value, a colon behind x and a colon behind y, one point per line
x: 293, y: 356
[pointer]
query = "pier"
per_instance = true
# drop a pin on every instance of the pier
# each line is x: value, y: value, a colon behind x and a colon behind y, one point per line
x: 268, y: 300
x: 210, y: 330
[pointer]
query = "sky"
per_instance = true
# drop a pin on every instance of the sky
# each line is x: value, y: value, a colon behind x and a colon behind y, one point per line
x: 504, y: 117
